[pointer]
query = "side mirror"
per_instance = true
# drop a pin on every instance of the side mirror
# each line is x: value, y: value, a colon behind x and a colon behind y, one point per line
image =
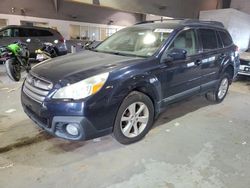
x: 176, y: 54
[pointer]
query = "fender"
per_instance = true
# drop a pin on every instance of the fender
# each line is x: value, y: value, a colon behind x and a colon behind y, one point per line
x: 145, y: 83
x: 226, y: 63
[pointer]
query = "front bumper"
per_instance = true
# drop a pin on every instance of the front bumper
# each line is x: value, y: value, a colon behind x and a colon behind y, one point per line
x: 53, y: 118
x: 244, y: 70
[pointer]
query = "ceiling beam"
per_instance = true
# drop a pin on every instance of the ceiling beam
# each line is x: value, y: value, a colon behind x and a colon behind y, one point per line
x: 55, y: 2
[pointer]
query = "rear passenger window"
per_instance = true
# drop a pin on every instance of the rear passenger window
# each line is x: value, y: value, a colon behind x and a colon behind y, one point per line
x: 24, y: 32
x: 45, y: 33
x: 33, y: 33
x: 220, y: 44
x: 27, y: 32
x: 226, y: 39
x: 208, y: 39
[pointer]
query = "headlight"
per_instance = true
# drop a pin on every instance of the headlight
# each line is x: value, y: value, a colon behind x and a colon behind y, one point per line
x: 83, y: 88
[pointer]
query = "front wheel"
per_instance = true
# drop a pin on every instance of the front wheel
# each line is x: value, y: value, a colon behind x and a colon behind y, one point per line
x: 220, y: 92
x: 13, y: 69
x: 134, y: 118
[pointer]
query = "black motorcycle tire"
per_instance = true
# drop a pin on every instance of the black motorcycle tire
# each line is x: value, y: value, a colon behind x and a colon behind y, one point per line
x: 53, y: 53
x: 13, y: 69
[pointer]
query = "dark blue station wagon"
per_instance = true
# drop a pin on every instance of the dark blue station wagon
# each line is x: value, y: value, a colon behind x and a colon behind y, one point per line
x: 123, y: 84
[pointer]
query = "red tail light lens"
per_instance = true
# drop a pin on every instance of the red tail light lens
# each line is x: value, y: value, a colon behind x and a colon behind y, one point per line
x: 61, y: 40
x: 237, y: 51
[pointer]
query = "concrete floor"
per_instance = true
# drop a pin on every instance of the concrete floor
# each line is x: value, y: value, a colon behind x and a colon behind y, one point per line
x: 194, y: 144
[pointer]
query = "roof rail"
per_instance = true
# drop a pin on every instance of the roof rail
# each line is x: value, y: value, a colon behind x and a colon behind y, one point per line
x: 159, y: 20
x: 203, y: 22
x: 186, y: 21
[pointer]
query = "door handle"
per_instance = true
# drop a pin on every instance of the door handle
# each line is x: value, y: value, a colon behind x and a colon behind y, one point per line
x: 198, y: 62
x: 222, y: 56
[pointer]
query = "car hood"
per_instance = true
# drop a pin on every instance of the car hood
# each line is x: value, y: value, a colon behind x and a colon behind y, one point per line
x: 75, y: 67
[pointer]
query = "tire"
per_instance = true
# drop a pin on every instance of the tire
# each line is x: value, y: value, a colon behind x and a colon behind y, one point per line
x: 53, y: 53
x: 134, y: 118
x: 218, y: 95
x: 13, y: 69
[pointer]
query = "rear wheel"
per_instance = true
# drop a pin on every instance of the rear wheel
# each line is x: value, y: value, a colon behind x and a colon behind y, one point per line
x: 53, y: 53
x: 220, y: 92
x: 134, y: 118
x: 13, y: 69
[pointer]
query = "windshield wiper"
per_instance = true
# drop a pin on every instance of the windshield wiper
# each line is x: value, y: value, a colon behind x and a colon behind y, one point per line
x: 121, y: 54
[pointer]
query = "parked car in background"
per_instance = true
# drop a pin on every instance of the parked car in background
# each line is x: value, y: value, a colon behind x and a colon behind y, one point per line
x: 123, y: 84
x: 33, y: 36
x: 245, y: 63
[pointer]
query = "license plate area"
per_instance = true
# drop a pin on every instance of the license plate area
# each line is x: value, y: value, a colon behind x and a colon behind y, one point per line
x: 40, y: 57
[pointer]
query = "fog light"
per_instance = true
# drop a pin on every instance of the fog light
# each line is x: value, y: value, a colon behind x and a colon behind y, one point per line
x: 72, y: 129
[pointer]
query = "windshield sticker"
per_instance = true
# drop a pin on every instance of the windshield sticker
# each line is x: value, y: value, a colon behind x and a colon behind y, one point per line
x: 163, y: 30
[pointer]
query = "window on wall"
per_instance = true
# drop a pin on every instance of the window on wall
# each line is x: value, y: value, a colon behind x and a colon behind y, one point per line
x: 3, y: 23
x: 38, y: 24
x: 103, y: 34
x: 90, y: 32
x: 74, y: 32
x: 110, y: 31
x: 94, y: 33
x: 107, y: 32
x: 79, y: 32
x: 84, y: 32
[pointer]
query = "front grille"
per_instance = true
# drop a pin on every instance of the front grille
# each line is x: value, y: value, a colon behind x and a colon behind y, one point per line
x: 36, y: 88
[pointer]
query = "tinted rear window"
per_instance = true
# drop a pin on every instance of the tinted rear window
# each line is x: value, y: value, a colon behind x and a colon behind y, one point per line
x: 27, y: 32
x: 220, y: 44
x: 208, y: 39
x: 45, y: 33
x: 24, y: 32
x: 226, y: 39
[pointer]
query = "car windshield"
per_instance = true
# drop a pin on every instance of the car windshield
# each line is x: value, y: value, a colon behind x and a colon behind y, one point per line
x: 135, y: 41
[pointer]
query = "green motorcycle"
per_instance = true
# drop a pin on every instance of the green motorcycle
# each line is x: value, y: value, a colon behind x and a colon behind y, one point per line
x: 16, y: 58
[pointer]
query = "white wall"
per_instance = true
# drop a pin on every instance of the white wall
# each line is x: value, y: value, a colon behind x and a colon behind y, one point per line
x: 62, y: 26
x: 236, y: 22
x: 156, y: 17
x: 242, y: 5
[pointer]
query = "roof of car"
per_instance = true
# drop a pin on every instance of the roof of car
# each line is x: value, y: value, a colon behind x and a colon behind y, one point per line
x: 24, y: 26
x: 176, y: 23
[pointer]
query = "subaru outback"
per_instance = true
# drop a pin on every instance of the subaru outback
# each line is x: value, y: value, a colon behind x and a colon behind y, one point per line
x: 122, y: 85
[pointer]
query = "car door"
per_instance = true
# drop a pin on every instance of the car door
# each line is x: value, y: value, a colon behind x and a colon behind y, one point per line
x: 29, y: 36
x: 212, y: 54
x: 182, y: 77
x: 36, y: 39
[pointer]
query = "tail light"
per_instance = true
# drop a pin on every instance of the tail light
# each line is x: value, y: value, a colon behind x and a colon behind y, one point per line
x: 237, y: 51
x: 61, y: 40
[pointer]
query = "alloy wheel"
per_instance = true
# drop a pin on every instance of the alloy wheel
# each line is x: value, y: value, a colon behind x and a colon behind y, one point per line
x: 223, y: 88
x: 134, y: 119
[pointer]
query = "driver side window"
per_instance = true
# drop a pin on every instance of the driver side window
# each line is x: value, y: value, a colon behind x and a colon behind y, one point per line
x: 186, y: 40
